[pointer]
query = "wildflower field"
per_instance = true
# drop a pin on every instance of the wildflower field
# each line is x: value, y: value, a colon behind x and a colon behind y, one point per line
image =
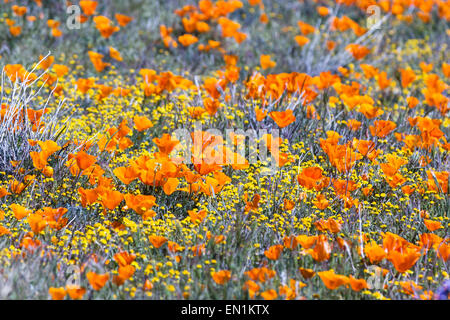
x: 230, y: 149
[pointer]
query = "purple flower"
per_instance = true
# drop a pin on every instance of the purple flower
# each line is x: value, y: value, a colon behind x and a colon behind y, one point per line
x: 443, y: 292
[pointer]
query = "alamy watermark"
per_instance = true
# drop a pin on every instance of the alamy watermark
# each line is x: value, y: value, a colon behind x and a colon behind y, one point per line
x: 73, y: 21
x: 374, y: 19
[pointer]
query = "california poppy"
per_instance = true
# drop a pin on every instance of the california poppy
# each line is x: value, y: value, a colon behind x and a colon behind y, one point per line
x: 405, y: 259
x: 75, y: 292
x: 124, y: 258
x: 266, y: 62
x: 374, y: 252
x: 221, y: 277
x: 19, y: 211
x: 307, y: 273
x: 113, y: 53
x: 357, y: 284
x: 270, y: 294
x: 381, y: 128
x: 432, y: 225
x: 274, y: 252
x: 197, y: 216
x: 122, y: 19
x: 283, y: 118
x: 57, y: 293
x: 88, y: 7
x: 96, y: 280
x: 187, y: 39
x: 157, y: 241
x: 332, y: 280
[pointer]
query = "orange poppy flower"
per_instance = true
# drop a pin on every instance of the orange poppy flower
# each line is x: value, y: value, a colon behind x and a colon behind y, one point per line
x: 432, y: 225
x: 19, y: 211
x: 165, y: 143
x: 412, y: 102
x: 3, y: 193
x: 383, y: 81
x: 322, y: 249
x: 410, y: 287
x: 370, y: 111
x: 4, y: 231
x: 330, y: 225
x: 353, y: 124
x: 290, y: 242
x: 105, y: 26
x: 19, y: 11
x: 197, y: 216
x: 187, y: 39
x: 408, y: 76
x: 56, y: 32
x: 141, y: 204
x: 122, y: 19
x: 374, y: 252
x: 96, y: 59
x: 260, y: 274
x: 263, y: 18
x: 357, y: 284
x: 221, y: 277
x: 123, y: 258
x: 405, y: 259
x: 157, y: 241
x: 83, y: 85
x: 170, y: 186
x: 428, y: 240
x: 15, y: 30
x: 57, y: 293
x: 332, y: 280
x: 111, y: 198
x: 443, y: 251
x: 446, y: 69
x: 60, y: 70
x: 305, y: 28
x: 381, y: 128
x: 283, y: 118
x: 266, y: 62
x: 254, y: 2
x: 211, y: 105
x: 260, y: 114
x: 45, y: 63
x: 252, y: 288
x: 113, y: 53
x: 75, y: 292
x: 330, y: 46
x: 306, y: 241
x: 301, y: 40
x: 312, y: 178
x: 289, y: 291
x: 274, y: 252
x: 84, y: 160
x: 358, y: 51
x: 147, y: 285
x: 97, y: 281
x: 369, y: 71
x: 30, y: 244
x: 36, y: 222
x: 125, y: 174
x: 323, y: 11
x: 88, y: 7
x: 288, y: 204
x: 307, y: 273
x: 125, y: 272
x: 441, y: 178
x: 269, y: 294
